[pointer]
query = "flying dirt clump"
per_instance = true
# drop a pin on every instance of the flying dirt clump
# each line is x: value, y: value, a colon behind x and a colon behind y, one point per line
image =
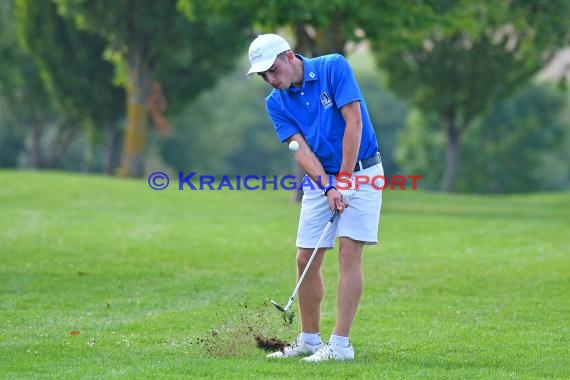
x: 246, y: 330
x: 270, y: 344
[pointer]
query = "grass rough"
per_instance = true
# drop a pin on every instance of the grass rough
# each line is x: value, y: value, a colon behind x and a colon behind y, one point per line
x: 104, y: 278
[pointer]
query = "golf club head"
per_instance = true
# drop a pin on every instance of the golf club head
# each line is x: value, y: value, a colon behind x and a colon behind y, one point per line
x: 278, y: 306
x: 287, y: 315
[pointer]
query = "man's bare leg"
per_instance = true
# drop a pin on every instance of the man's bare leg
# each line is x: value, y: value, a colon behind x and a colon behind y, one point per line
x: 350, y: 284
x: 311, y: 291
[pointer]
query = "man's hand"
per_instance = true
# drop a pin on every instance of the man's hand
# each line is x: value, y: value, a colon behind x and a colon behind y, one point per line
x: 336, y: 200
x: 347, y: 195
x: 346, y: 186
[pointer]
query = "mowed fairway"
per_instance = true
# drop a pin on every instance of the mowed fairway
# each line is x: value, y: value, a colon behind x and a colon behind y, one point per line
x: 106, y: 278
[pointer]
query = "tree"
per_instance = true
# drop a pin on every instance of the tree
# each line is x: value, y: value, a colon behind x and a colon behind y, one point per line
x: 325, y: 26
x: 487, y: 50
x: 515, y: 148
x: 73, y: 72
x: 421, y: 147
x: 23, y: 98
x: 160, y: 54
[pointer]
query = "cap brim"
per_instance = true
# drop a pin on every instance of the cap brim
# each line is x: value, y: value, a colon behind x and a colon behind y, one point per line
x: 260, y: 67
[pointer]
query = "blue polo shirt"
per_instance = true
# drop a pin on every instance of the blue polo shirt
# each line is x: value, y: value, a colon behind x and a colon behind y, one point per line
x: 314, y: 110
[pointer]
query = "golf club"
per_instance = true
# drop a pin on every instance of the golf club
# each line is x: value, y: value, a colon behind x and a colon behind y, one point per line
x: 287, y: 315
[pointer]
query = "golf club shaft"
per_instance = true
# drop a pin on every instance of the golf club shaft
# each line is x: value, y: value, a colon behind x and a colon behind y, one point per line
x: 330, y: 222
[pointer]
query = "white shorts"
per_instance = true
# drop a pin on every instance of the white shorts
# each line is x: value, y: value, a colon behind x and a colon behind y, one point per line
x: 359, y: 221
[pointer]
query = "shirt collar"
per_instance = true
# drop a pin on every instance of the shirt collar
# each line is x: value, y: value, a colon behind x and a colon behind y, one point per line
x: 309, y: 73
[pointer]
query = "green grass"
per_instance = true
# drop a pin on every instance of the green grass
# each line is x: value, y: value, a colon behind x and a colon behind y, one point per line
x: 461, y: 286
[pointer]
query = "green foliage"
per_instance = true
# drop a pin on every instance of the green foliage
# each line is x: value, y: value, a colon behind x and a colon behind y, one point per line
x: 387, y: 112
x: 158, y: 51
x: 19, y: 76
x: 25, y: 107
x: 457, y: 78
x: 515, y: 147
x: 11, y: 143
x: 185, y: 54
x: 393, y: 22
x: 71, y: 65
x: 519, y: 146
x: 451, y: 59
x: 420, y: 151
x: 482, y: 60
x: 458, y: 72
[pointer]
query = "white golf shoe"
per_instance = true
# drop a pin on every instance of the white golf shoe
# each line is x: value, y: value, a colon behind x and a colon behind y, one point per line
x: 297, y: 348
x: 331, y: 351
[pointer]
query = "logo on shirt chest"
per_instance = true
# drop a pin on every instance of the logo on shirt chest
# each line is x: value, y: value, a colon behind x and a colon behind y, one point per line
x: 326, y: 101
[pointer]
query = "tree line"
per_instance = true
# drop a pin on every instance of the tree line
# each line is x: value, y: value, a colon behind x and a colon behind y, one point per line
x: 117, y: 83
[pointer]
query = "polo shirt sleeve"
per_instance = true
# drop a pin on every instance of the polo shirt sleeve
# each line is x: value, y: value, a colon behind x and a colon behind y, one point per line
x: 346, y: 89
x: 284, y: 127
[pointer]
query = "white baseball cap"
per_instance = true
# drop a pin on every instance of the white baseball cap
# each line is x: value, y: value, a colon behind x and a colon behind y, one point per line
x: 263, y: 51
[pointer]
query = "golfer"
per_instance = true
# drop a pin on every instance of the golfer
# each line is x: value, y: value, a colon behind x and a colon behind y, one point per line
x: 317, y: 102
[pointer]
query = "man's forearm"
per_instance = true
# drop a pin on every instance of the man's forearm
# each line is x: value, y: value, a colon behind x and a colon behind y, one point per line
x: 312, y: 166
x: 352, y: 136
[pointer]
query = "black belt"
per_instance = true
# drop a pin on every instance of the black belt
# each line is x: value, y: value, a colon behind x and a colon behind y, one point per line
x: 365, y: 163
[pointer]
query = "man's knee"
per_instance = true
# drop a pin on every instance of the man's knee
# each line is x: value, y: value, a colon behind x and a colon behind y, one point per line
x: 349, y: 247
x: 350, y: 253
x: 304, y: 255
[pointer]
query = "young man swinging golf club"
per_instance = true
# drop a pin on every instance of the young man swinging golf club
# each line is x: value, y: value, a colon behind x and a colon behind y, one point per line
x: 317, y: 103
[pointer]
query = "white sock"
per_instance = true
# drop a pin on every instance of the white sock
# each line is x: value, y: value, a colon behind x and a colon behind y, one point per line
x: 341, y: 341
x: 311, y: 338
